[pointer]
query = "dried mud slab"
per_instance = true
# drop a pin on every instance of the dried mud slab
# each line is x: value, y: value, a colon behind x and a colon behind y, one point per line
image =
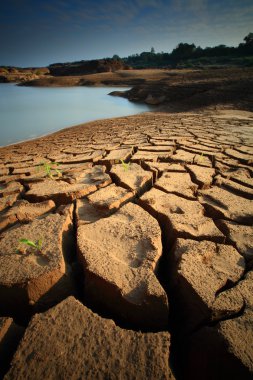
x: 62, y: 192
x: 116, y: 155
x: 238, y: 235
x: 222, y: 204
x: 101, y: 204
x: 29, y: 276
x: 191, y: 158
x: 236, y: 188
x: 201, y: 271
x: 140, y: 156
x: 10, y: 189
x: 8, y: 201
x: 4, y: 171
x: 110, y: 197
x: 241, y: 176
x: 132, y: 177
x: 158, y: 168
x: 242, y: 157
x: 177, y: 183
x: 180, y: 217
x: 203, y: 177
x: 226, y: 349
x: 120, y: 256
x: 71, y: 342
x: 10, y: 335
x: 25, y: 212
x: 156, y: 148
x: 119, y: 253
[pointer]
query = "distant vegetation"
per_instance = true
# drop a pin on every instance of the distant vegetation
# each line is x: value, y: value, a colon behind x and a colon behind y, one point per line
x: 188, y: 55
x: 183, y: 56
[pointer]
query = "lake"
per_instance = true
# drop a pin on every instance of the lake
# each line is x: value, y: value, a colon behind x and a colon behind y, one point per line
x: 29, y: 112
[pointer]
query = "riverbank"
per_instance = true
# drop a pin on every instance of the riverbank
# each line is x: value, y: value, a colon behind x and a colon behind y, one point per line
x: 145, y: 220
x: 175, y: 90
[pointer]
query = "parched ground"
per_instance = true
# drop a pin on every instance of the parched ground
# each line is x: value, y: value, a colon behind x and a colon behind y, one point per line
x: 141, y: 265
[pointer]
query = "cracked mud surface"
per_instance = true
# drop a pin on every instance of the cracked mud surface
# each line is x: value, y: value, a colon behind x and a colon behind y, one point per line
x: 146, y: 252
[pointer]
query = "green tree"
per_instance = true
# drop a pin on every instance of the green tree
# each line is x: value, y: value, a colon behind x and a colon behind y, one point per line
x: 183, y: 51
x: 248, y: 39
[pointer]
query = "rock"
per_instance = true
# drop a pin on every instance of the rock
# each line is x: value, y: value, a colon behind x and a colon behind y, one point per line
x: 132, y: 177
x: 222, y: 204
x: 201, y: 271
x: 154, y: 100
x: 180, y: 217
x: 119, y: 255
x: 62, y: 192
x: 177, y: 183
x: 69, y: 341
x: 238, y: 235
x: 24, y: 212
x: 29, y: 276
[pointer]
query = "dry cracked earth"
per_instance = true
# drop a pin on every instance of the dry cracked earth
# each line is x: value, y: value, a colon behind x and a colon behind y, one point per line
x: 142, y: 258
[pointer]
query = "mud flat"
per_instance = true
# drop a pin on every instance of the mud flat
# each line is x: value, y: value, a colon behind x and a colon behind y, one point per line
x: 141, y: 265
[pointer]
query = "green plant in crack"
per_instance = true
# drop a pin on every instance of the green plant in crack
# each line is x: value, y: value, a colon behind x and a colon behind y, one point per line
x: 50, y: 169
x: 37, y: 245
x: 198, y: 159
x: 125, y: 165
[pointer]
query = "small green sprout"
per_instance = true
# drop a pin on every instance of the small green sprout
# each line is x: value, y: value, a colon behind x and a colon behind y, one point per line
x: 50, y: 169
x: 125, y: 165
x: 37, y: 245
x: 199, y: 159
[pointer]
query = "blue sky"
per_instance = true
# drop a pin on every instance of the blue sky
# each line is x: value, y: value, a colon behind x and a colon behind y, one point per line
x: 40, y: 32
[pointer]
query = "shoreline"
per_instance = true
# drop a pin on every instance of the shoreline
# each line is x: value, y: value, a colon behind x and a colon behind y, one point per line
x: 218, y: 113
x: 67, y: 128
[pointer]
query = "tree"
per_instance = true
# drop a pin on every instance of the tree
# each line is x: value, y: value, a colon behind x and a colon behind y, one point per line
x: 248, y: 39
x: 116, y: 57
x: 152, y: 50
x: 183, y: 51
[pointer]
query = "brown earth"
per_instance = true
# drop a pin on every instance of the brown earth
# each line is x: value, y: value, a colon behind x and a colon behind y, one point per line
x: 149, y: 224
x: 171, y: 89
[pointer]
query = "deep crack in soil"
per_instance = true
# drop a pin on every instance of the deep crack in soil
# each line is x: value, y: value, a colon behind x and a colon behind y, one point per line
x: 140, y: 228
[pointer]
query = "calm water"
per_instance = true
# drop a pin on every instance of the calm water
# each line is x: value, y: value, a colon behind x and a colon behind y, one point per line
x: 29, y: 112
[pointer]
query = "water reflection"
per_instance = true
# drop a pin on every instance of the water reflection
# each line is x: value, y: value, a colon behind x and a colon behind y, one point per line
x: 29, y: 112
